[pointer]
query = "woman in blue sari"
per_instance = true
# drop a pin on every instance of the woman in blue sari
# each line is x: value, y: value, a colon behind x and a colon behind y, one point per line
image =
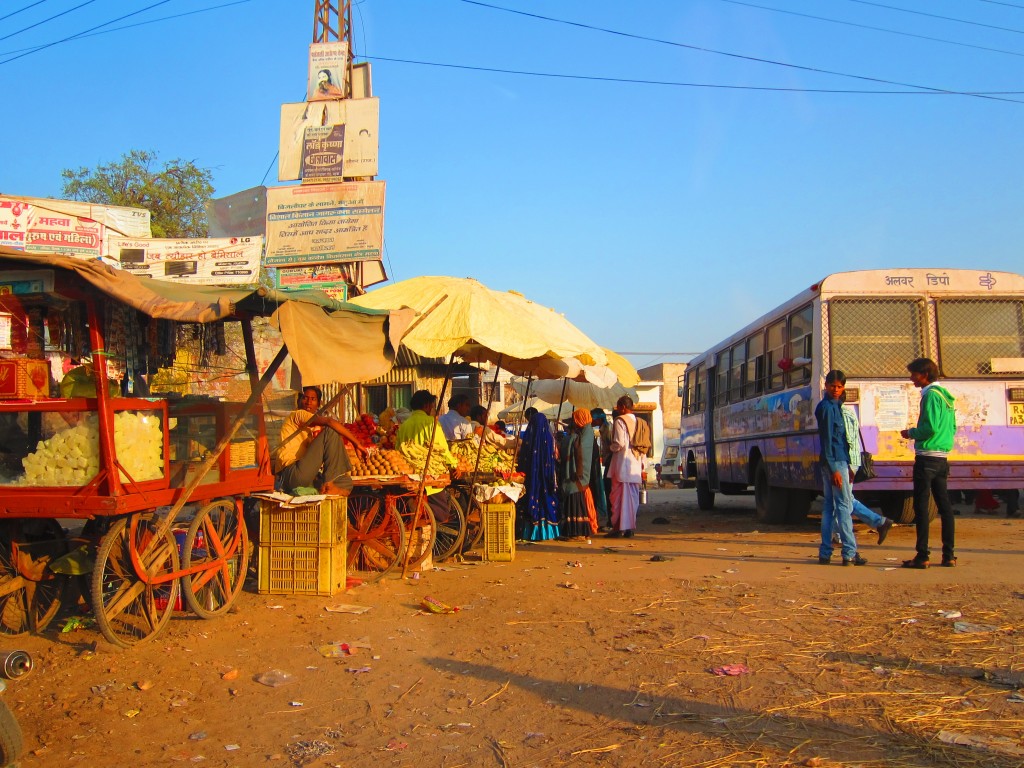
x: 538, y: 507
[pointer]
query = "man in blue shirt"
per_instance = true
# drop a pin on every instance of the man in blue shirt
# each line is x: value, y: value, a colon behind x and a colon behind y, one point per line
x: 834, y: 465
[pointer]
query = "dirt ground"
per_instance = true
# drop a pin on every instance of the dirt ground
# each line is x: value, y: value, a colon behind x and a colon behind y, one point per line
x: 582, y: 654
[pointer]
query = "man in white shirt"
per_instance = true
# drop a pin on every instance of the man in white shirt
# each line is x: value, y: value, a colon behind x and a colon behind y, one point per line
x: 455, y: 423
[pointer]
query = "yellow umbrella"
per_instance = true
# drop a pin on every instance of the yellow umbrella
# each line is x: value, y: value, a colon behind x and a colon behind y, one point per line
x: 581, y: 394
x: 623, y: 369
x: 463, y: 316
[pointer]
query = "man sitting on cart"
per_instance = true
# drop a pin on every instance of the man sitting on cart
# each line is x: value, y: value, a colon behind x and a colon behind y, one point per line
x: 417, y: 430
x: 312, y: 452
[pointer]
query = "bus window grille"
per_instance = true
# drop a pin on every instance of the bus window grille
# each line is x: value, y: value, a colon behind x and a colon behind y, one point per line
x: 876, y: 337
x: 973, y: 331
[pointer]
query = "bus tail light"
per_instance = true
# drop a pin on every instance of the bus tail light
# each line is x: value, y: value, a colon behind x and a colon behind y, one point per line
x: 1015, y: 394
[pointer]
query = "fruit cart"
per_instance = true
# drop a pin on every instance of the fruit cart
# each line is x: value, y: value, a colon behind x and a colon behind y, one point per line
x: 158, y: 480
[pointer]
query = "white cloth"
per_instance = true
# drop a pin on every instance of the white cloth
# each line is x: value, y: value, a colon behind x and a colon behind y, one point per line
x: 455, y: 426
x: 626, y: 467
x: 625, y: 504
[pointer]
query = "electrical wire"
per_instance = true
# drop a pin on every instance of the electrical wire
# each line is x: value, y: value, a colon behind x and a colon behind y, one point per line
x: 15, y: 13
x: 999, y: 2
x: 136, y: 24
x: 874, y: 29
x: 743, y: 57
x: 72, y: 37
x: 937, y: 16
x: 44, y: 21
x: 926, y: 92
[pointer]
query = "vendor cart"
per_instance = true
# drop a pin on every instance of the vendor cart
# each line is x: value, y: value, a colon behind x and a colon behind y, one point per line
x: 159, y: 480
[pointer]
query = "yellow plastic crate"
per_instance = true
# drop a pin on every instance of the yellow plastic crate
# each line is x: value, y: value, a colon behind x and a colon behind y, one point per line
x: 318, y: 570
x: 499, y: 522
x: 325, y: 523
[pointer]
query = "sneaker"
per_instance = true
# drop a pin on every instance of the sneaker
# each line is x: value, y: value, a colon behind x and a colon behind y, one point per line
x: 824, y: 561
x: 917, y: 563
x: 949, y: 562
x: 883, y: 530
x: 855, y: 560
x: 627, y: 534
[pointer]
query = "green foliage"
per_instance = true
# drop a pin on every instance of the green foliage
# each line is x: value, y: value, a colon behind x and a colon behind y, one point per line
x: 174, y: 194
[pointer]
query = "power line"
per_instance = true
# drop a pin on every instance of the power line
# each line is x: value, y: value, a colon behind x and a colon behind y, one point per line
x: 57, y: 16
x: 91, y: 29
x: 1008, y: 5
x: 937, y: 16
x: 728, y: 53
x: 874, y: 29
x: 136, y: 24
x: 929, y: 92
x: 15, y: 13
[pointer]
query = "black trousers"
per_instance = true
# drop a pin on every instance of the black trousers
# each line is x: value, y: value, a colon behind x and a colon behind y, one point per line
x: 930, y: 476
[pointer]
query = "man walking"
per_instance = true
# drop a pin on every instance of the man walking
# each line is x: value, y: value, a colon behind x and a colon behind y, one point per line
x: 933, y: 440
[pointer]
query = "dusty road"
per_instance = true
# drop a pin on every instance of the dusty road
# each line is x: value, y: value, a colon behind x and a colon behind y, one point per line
x: 578, y: 654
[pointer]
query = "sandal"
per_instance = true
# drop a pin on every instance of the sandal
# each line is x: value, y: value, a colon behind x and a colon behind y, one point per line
x: 915, y: 563
x: 949, y: 562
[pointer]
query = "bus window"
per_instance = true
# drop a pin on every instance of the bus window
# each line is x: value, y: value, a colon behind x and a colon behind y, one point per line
x: 754, y: 384
x: 801, y: 337
x: 736, y: 370
x: 776, y: 352
x: 973, y: 331
x: 699, y: 390
x: 876, y: 338
x: 722, y: 378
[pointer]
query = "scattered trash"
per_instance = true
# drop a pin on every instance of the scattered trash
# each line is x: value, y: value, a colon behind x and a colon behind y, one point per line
x: 132, y: 713
x: 909, y: 621
x: 144, y: 685
x: 275, y: 607
x: 295, y: 704
x: 197, y: 736
x: 336, y: 650
x: 303, y: 752
x: 568, y: 585
x: 880, y: 671
x: 659, y: 559
x: 395, y: 744
x: 950, y: 614
x: 357, y: 670
x: 344, y: 608
x: 432, y: 605
x: 77, y: 622
x: 968, y: 627
x: 274, y: 678
x: 231, y: 674
x: 731, y: 570
x: 1016, y: 697
x: 916, y: 603
x: 730, y: 670
x: 231, y: 747
x: 574, y: 564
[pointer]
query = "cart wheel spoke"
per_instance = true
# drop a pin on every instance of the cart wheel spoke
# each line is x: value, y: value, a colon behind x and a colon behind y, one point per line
x: 450, y: 535
x: 376, y: 538
x: 422, y: 537
x: 30, y: 594
x: 217, y: 539
x: 128, y: 610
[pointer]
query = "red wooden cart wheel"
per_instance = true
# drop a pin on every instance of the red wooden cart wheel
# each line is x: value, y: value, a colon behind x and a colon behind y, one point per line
x: 128, y: 610
x: 30, y: 593
x: 376, y: 536
x: 217, y: 539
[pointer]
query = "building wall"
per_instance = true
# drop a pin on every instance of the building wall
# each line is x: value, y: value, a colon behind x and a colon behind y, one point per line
x: 670, y: 402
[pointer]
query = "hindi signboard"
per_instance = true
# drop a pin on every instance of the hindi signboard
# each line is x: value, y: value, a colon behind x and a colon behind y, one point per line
x: 325, y: 223
x: 197, y: 261
x: 328, y: 63
x: 358, y: 147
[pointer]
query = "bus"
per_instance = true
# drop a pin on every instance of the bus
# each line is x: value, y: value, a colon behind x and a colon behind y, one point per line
x: 748, y: 402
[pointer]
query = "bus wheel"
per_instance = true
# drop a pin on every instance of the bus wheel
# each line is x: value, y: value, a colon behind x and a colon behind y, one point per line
x: 799, y: 505
x: 899, y: 507
x: 705, y: 496
x: 772, y: 503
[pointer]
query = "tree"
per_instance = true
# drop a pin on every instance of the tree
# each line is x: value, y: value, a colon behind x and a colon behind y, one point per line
x: 175, y: 194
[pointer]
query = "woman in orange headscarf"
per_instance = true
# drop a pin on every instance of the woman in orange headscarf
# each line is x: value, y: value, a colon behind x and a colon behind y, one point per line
x: 579, y: 518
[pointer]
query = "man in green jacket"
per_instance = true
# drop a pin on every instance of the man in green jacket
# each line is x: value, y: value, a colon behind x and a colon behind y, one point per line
x: 933, y: 440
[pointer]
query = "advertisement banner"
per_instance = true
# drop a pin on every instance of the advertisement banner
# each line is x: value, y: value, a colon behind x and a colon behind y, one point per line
x: 328, y: 63
x: 323, y: 151
x: 13, y: 223
x: 197, y: 261
x: 360, y: 119
x: 129, y: 222
x: 50, y: 232
x: 319, y: 277
x: 325, y: 223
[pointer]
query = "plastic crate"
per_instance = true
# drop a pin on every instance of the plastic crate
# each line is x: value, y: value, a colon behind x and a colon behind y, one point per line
x: 318, y: 570
x: 324, y: 523
x: 499, y: 522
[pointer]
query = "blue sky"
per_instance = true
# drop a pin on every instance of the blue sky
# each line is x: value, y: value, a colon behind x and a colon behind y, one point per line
x: 658, y: 218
